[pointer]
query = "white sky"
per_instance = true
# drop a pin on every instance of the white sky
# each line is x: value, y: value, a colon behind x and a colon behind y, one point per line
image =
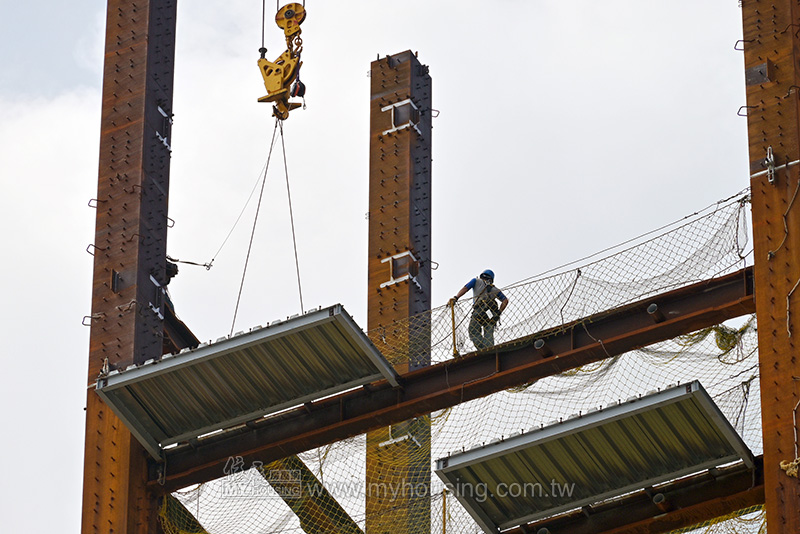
x: 565, y: 127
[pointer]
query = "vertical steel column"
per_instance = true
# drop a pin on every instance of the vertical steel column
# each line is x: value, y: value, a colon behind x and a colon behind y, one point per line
x: 772, y: 47
x: 398, y: 458
x: 129, y: 251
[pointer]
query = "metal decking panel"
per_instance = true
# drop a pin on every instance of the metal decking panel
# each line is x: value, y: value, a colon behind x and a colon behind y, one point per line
x: 594, y: 457
x: 243, y: 378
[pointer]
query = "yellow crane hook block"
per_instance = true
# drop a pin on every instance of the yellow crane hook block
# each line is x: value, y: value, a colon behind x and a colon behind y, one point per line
x: 279, y: 75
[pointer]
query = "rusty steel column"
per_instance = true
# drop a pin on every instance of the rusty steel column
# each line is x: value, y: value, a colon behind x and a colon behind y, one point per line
x: 129, y: 251
x: 398, y: 457
x: 772, y: 51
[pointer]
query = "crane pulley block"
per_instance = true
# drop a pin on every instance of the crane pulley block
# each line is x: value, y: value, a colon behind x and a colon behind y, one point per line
x: 281, y: 77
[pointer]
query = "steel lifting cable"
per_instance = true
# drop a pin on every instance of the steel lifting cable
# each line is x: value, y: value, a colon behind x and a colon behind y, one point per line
x: 278, y: 4
x: 278, y: 124
x: 291, y: 219
x: 239, y: 217
x: 263, y: 22
x: 741, y: 196
x: 209, y: 264
x: 255, y: 221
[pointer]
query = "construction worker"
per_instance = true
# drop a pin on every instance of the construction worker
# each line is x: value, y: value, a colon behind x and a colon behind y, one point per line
x: 485, y: 311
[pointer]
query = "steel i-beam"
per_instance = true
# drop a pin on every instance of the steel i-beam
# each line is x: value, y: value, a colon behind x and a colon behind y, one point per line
x: 129, y: 251
x: 446, y: 384
x: 772, y: 73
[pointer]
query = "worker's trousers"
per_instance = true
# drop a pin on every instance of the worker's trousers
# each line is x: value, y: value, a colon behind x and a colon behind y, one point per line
x: 481, y: 332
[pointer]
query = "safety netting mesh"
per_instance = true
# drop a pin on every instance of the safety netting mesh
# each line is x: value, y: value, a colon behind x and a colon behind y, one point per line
x: 748, y: 520
x: 343, y: 488
x: 702, y: 246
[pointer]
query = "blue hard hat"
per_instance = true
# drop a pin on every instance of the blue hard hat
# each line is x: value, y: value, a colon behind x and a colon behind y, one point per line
x: 488, y: 273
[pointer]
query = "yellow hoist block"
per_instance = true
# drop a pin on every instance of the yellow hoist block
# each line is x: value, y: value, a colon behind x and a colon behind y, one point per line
x: 279, y: 74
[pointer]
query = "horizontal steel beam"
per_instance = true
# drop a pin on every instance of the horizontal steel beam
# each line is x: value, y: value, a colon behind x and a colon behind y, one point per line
x: 681, y: 503
x: 462, y: 379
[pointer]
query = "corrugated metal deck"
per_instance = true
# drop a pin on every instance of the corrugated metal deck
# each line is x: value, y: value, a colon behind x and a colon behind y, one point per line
x: 597, y: 456
x: 242, y: 378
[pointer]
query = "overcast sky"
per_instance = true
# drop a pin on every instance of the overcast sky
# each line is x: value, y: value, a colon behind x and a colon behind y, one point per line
x: 564, y: 128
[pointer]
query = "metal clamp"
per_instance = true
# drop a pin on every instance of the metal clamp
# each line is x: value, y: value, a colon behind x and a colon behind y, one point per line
x: 739, y: 112
x: 769, y: 161
x: 792, y: 26
x: 792, y: 88
x: 91, y: 318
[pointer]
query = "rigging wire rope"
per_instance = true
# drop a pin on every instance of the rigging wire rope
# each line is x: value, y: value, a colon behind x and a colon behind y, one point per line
x: 278, y: 4
x: 278, y: 124
x: 740, y: 196
x: 291, y: 219
x: 208, y: 265
x: 263, y: 20
x: 255, y: 222
x: 241, y: 213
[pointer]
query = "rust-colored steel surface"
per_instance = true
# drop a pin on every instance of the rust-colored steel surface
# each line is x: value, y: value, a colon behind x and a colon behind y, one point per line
x: 476, y: 375
x: 772, y: 53
x: 317, y: 510
x: 687, y: 501
x: 129, y: 251
x: 399, y: 279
